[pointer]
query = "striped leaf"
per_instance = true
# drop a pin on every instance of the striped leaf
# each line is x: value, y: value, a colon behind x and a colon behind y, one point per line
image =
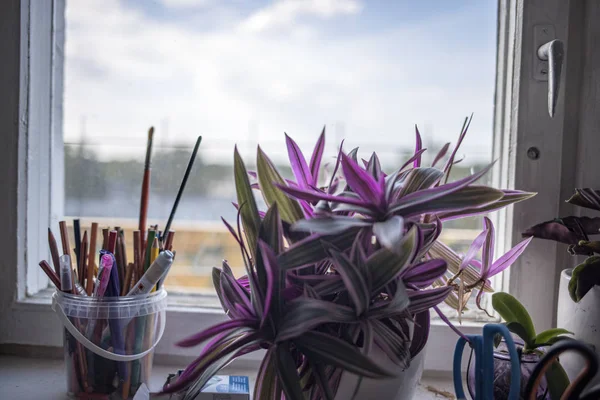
x: 245, y: 197
x: 268, y: 178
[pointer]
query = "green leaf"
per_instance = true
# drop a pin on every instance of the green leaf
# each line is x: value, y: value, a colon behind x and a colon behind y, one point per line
x: 338, y: 353
x: 246, y: 201
x: 268, y: 176
x: 545, y: 337
x: 420, y: 178
x: 271, y: 230
x: 557, y: 379
x: 511, y: 310
x: 288, y: 374
x: 585, y: 276
x: 519, y: 330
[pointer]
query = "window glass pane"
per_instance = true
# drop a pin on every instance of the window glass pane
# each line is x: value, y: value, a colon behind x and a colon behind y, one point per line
x: 244, y: 72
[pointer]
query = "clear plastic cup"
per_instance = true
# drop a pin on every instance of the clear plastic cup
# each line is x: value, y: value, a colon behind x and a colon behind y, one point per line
x: 109, y: 342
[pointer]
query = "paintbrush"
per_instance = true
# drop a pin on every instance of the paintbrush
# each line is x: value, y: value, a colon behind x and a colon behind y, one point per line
x: 146, y: 186
x: 77, y: 234
x: 182, y: 187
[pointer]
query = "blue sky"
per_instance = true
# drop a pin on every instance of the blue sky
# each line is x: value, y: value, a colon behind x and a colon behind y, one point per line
x: 246, y: 71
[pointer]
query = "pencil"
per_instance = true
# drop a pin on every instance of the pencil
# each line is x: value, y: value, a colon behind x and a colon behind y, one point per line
x: 83, y: 258
x: 89, y: 287
x: 148, y: 255
x: 112, y: 242
x: 137, y: 252
x: 51, y: 274
x: 54, y: 252
x: 77, y: 234
x: 128, y: 276
x: 169, y: 241
x: 105, y: 238
x: 146, y: 185
x: 182, y: 185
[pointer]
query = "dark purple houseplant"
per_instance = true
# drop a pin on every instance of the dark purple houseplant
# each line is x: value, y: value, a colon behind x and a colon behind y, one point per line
x: 344, y: 259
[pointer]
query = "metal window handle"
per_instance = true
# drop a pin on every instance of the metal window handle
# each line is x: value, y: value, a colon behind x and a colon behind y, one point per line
x: 553, y: 52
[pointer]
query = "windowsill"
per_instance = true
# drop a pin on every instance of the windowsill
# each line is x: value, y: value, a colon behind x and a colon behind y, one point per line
x: 37, y: 378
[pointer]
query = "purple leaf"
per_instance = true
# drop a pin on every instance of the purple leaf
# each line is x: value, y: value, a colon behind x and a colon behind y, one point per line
x: 315, y: 159
x: 463, y: 132
x: 298, y: 163
x: 427, y: 195
x: 509, y: 258
x: 389, y: 232
x: 569, y: 230
x: 329, y: 225
x: 272, y: 274
x: 418, y: 148
x: 354, y: 281
x: 200, y: 337
x: 455, y: 200
x: 487, y: 254
x: 241, y: 295
x: 361, y: 182
x: 474, y: 249
x: 385, y: 265
x: 311, y: 250
x: 374, y: 167
x: 588, y: 198
x: 424, y: 274
x: 440, y: 154
x: 336, y: 352
x: 419, y: 179
x: 266, y: 377
x: 288, y: 373
x: 420, y: 334
x: 304, y: 314
x: 422, y: 300
x: 510, y: 197
x: 314, y: 195
x: 392, y: 344
x: 412, y: 159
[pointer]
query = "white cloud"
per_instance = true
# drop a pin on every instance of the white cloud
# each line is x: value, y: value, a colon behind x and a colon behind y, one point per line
x: 125, y: 71
x: 285, y: 12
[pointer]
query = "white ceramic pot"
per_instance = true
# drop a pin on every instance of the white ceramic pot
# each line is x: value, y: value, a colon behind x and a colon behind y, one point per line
x: 401, y: 387
x: 583, y: 319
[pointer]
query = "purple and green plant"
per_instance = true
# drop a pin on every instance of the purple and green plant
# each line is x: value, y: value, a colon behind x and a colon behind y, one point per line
x: 344, y: 259
x: 576, y: 232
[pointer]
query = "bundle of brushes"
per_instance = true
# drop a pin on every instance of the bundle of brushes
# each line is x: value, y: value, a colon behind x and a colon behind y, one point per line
x: 105, y: 273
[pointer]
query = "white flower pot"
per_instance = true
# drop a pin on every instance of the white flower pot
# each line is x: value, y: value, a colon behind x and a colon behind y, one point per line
x: 401, y: 387
x: 583, y: 319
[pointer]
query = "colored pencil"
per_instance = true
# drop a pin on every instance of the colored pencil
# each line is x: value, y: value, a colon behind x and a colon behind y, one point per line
x: 77, y: 235
x: 137, y: 252
x: 83, y: 258
x: 105, y: 238
x: 54, y: 251
x: 89, y: 287
x: 169, y: 241
x: 148, y: 255
x: 146, y: 185
x: 51, y: 274
x: 186, y: 175
x: 112, y: 242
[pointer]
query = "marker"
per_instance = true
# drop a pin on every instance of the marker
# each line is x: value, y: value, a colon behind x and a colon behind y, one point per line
x: 157, y: 270
x: 66, y: 278
x: 106, y: 264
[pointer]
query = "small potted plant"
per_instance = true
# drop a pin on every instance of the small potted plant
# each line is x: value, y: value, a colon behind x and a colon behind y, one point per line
x: 342, y: 270
x: 530, y: 349
x: 579, y: 291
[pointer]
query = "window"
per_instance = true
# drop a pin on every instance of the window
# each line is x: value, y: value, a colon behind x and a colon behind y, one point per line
x: 342, y: 64
x: 246, y: 73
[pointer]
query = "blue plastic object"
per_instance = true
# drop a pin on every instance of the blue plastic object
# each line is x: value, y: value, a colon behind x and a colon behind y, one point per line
x: 483, y: 346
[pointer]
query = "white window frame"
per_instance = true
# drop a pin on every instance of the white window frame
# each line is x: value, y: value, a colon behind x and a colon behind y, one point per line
x: 32, y: 153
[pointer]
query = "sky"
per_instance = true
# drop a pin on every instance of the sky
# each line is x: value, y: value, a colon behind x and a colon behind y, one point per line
x: 242, y: 72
